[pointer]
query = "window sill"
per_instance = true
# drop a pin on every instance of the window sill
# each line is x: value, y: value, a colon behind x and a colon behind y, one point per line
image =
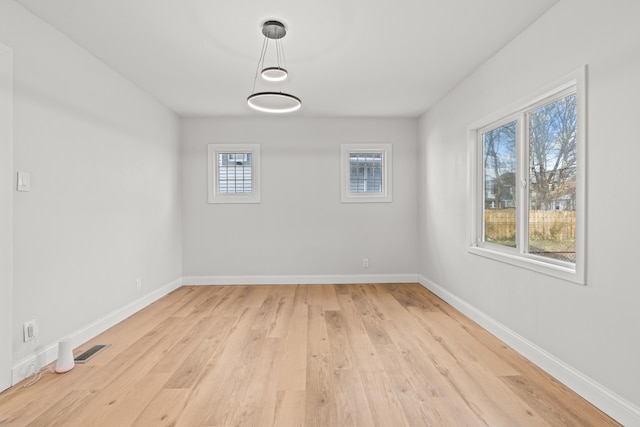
x: 568, y: 273
x: 234, y: 199
x: 366, y: 198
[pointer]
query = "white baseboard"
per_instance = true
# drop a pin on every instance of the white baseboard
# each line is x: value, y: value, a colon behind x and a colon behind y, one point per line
x: 607, y: 401
x: 301, y: 280
x: 49, y: 353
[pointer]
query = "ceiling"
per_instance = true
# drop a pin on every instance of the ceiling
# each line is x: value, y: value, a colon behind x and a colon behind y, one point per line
x: 375, y: 58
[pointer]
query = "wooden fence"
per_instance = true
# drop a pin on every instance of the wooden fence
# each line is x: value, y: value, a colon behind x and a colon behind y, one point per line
x: 500, y: 224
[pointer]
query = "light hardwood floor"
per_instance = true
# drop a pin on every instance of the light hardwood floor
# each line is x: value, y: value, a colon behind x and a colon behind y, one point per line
x: 308, y: 355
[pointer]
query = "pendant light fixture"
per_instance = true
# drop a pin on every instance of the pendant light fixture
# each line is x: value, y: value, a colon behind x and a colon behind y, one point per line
x: 271, y: 101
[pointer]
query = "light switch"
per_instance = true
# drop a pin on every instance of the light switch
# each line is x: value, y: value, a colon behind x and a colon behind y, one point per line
x: 24, y: 181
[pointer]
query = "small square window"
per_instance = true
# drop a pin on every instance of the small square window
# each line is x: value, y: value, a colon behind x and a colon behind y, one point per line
x: 366, y: 172
x: 234, y: 173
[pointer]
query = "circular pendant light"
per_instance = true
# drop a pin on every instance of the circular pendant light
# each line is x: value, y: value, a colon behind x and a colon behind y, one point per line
x: 274, y: 102
x: 274, y: 74
x: 271, y: 101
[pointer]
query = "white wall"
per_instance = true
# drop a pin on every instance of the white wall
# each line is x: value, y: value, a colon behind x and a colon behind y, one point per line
x: 6, y: 214
x: 104, y: 206
x: 593, y: 329
x: 301, y: 228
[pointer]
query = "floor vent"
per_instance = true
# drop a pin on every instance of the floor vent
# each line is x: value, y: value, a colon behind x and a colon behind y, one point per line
x: 91, y: 353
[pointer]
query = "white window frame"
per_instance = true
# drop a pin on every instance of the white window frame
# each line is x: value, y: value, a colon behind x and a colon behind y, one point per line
x: 385, y: 196
x: 213, y: 185
x: 574, y: 82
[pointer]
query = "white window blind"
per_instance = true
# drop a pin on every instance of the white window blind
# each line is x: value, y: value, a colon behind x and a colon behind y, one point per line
x: 365, y: 172
x: 235, y: 173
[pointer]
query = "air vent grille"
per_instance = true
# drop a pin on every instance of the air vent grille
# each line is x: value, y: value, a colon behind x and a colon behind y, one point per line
x: 91, y: 353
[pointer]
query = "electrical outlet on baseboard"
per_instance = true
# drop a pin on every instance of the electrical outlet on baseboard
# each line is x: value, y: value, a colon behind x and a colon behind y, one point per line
x: 31, y: 368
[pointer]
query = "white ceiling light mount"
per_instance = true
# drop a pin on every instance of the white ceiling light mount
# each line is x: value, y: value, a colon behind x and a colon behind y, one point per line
x: 272, y: 101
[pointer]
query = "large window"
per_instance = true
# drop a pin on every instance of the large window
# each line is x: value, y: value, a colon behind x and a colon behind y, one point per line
x: 528, y: 183
x: 234, y: 173
x: 366, y: 172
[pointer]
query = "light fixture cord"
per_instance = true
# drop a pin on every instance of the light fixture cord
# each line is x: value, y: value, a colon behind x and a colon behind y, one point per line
x: 278, y: 49
x: 263, y: 53
x: 284, y: 62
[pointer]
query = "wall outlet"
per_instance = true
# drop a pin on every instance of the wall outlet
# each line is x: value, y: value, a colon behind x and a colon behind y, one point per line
x: 365, y: 262
x: 31, y: 369
x: 30, y: 330
x: 138, y: 283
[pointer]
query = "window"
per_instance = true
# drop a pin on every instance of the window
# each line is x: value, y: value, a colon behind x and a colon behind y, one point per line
x: 366, y: 172
x: 234, y: 173
x: 528, y: 186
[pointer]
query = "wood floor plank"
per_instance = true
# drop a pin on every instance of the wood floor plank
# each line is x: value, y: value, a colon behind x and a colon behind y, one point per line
x: 299, y: 355
x: 20, y: 405
x: 413, y: 295
x: 418, y: 352
x: 189, y: 361
x: 461, y: 343
x: 282, y: 316
x: 222, y: 380
x: 351, y: 399
x: 127, y: 378
x: 64, y: 409
x: 254, y: 296
x: 258, y: 399
x: 481, y: 391
x: 352, y: 404
x: 320, y: 405
x: 413, y: 396
x: 329, y: 298
x: 125, y: 334
x: 385, y: 303
x: 384, y: 405
x: 292, y: 374
x: 370, y: 316
x: 382, y: 400
x: 438, y: 402
x: 163, y: 409
x: 290, y: 408
x: 122, y: 411
x: 340, y: 348
x: 349, y: 310
x: 202, y: 298
x: 138, y: 357
x: 550, y: 406
x: 207, y: 392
